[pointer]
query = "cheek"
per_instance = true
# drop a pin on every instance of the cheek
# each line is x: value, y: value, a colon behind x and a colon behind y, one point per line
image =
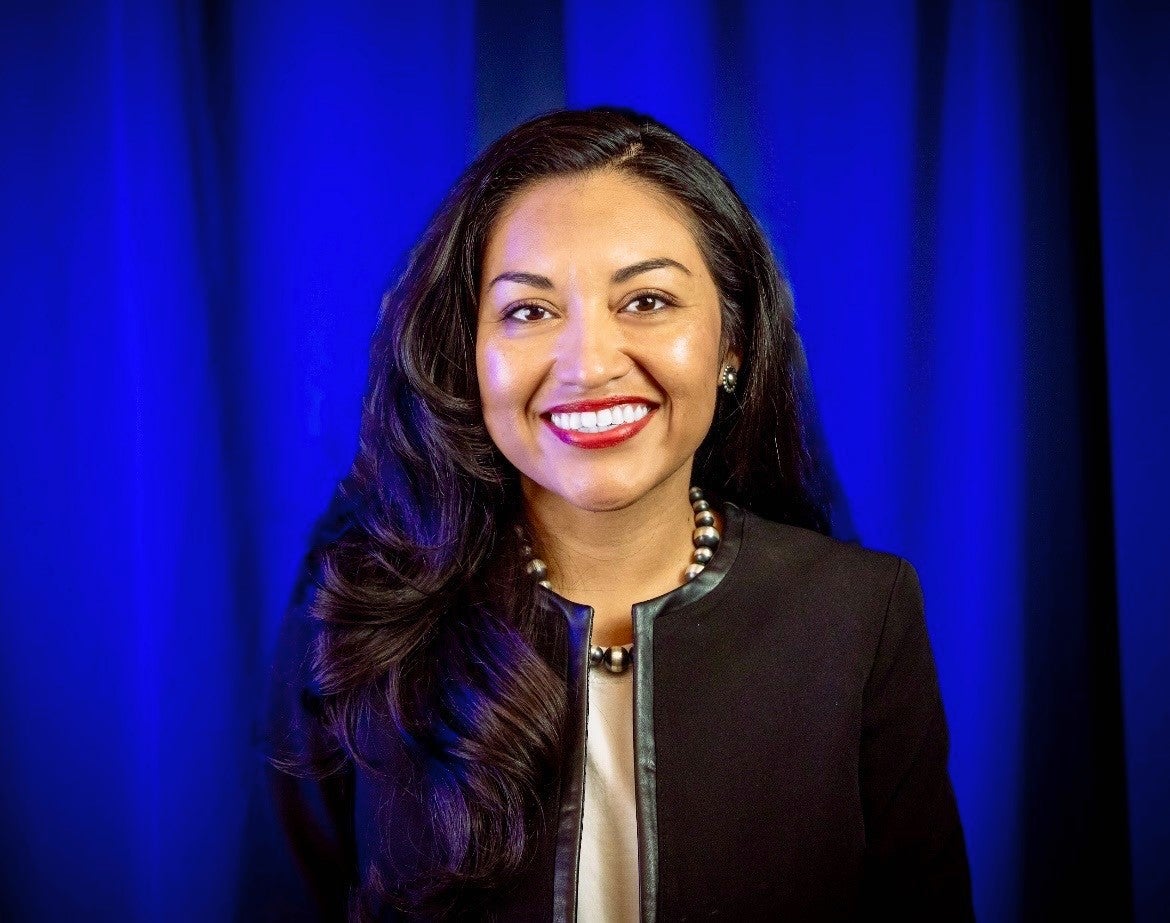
x: 502, y: 377
x: 685, y: 351
x: 689, y: 360
x: 493, y: 374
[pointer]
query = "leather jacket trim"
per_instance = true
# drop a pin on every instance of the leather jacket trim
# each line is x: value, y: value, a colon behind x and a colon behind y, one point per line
x: 645, y: 779
x: 580, y: 623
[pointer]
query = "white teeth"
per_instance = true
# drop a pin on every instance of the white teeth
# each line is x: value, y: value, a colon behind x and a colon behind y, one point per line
x: 598, y: 421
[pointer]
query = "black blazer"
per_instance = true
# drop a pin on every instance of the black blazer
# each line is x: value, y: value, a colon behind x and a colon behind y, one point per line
x: 790, y: 755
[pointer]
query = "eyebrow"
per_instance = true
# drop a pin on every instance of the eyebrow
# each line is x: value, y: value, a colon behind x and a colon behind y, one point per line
x: 627, y: 272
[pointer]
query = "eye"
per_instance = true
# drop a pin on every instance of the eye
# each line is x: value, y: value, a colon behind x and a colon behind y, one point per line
x: 512, y: 312
x: 645, y: 297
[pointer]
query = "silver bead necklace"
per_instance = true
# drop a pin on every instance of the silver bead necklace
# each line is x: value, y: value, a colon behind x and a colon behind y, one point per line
x: 706, y: 537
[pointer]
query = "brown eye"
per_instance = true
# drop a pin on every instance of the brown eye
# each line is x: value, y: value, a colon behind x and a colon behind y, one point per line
x: 512, y: 313
x: 650, y: 297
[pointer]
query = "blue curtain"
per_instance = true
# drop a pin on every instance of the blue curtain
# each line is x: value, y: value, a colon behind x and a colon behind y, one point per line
x: 204, y: 202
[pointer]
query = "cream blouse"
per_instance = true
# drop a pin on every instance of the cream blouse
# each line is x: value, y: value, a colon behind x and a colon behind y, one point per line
x: 607, y: 885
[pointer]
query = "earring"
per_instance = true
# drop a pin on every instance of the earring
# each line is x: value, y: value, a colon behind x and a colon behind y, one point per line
x: 727, y: 379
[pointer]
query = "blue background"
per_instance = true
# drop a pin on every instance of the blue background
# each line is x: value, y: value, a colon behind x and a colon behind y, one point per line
x: 203, y: 204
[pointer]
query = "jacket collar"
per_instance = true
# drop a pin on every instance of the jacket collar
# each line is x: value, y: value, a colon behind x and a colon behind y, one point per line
x: 578, y: 614
x: 579, y: 619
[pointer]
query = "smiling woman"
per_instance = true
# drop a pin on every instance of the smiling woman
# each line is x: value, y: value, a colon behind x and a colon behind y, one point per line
x: 583, y: 450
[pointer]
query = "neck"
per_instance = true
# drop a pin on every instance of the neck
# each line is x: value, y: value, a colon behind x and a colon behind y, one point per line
x: 613, y: 558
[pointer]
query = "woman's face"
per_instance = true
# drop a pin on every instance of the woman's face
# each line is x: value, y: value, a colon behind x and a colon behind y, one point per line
x: 594, y: 288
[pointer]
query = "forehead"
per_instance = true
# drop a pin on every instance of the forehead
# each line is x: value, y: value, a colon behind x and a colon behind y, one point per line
x: 607, y: 216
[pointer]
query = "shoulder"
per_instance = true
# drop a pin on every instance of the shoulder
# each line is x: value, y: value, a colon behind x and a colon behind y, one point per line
x: 824, y: 567
x: 839, y: 593
x: 833, y: 595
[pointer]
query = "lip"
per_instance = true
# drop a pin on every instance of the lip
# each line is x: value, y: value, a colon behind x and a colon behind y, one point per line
x: 598, y: 404
x: 604, y: 440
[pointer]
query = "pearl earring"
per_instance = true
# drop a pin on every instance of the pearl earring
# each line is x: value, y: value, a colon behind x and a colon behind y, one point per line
x: 727, y: 379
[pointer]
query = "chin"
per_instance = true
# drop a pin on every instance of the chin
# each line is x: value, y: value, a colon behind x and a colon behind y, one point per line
x: 610, y: 495
x: 588, y: 494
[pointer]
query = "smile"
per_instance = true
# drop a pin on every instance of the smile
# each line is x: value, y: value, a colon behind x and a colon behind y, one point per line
x: 601, y: 420
x: 600, y: 429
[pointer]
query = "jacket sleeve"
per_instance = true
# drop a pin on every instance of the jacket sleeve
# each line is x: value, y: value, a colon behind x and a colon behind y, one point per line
x: 299, y: 861
x: 916, y: 858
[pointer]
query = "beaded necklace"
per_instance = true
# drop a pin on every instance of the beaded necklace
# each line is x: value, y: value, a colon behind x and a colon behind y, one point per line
x: 706, y: 537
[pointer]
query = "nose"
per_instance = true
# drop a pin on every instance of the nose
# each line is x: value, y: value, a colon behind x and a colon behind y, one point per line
x: 590, y: 350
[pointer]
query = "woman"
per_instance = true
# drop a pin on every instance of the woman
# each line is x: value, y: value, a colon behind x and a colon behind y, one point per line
x: 573, y: 641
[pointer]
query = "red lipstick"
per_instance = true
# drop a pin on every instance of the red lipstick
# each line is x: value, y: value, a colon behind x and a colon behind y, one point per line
x: 603, y: 440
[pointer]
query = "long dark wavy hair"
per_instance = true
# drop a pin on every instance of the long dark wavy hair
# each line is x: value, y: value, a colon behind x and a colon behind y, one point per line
x: 427, y: 619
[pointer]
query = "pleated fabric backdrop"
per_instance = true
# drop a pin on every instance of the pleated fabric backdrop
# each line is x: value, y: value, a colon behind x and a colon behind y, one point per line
x: 203, y: 203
